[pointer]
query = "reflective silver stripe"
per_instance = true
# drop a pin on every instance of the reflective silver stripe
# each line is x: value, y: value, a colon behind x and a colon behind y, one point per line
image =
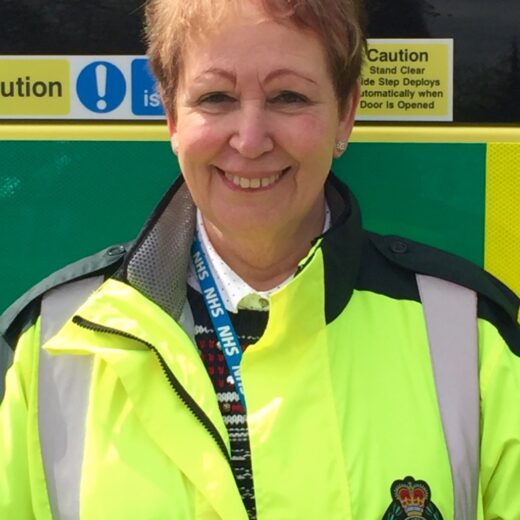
x: 451, y: 319
x: 64, y: 383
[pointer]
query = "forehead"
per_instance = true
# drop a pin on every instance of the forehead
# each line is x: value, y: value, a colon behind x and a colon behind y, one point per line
x: 247, y: 37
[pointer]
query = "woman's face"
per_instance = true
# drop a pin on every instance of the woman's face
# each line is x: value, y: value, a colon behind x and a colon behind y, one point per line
x: 256, y: 124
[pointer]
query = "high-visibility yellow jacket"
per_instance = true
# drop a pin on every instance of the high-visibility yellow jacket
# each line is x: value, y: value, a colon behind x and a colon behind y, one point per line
x: 343, y: 414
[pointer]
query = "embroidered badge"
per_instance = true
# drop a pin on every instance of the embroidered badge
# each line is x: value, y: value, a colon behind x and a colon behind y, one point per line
x: 411, y: 501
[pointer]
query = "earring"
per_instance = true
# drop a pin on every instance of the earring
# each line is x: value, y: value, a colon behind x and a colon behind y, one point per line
x: 341, y: 146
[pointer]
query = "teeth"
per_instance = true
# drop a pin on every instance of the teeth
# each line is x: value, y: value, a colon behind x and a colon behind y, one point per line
x: 246, y: 183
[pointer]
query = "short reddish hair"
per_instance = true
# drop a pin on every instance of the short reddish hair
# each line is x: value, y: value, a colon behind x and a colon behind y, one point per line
x: 340, y: 25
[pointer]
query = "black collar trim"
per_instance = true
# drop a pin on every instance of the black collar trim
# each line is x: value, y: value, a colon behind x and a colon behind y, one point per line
x: 341, y: 248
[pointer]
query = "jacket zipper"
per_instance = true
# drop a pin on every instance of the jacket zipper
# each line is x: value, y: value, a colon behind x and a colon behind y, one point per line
x: 185, y: 397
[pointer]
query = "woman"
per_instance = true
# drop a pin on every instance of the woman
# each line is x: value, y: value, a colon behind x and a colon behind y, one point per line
x: 332, y: 405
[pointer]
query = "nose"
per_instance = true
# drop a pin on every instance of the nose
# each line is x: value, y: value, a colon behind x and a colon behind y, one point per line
x: 251, y: 137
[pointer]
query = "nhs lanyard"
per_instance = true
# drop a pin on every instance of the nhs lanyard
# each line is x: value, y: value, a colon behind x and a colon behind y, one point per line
x: 219, y: 315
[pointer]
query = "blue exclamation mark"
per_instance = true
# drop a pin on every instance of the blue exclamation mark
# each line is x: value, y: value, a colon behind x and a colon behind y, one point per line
x: 101, y: 85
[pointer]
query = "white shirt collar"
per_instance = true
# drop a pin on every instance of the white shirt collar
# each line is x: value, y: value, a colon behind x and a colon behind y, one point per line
x: 235, y: 292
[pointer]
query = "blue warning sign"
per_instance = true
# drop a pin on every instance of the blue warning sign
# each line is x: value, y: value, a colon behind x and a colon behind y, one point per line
x: 101, y: 87
x: 146, y: 101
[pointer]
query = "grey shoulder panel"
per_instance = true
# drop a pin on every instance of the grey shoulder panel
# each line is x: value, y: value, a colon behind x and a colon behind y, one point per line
x: 19, y: 315
x: 6, y: 360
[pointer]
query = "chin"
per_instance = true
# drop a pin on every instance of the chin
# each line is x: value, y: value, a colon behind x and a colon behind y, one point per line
x: 249, y: 221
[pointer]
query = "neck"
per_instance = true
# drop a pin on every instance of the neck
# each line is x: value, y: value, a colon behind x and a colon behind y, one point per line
x: 264, y: 259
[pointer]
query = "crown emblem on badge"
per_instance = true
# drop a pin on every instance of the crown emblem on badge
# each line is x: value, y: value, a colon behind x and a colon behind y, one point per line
x: 412, y: 496
x: 411, y: 501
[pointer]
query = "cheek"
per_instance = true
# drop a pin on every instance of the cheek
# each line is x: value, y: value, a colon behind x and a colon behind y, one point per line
x: 198, y: 138
x: 197, y: 151
x: 313, y: 138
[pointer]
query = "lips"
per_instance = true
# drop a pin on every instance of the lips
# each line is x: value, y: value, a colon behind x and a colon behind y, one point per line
x: 253, y: 183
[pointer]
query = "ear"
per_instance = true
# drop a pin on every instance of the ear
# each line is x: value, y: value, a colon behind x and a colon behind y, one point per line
x: 346, y: 121
x: 172, y: 131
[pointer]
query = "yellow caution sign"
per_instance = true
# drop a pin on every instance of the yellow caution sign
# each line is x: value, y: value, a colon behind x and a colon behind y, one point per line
x: 39, y: 87
x: 407, y: 80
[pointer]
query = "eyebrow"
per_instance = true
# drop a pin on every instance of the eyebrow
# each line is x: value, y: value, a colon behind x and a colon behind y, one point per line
x: 284, y: 72
x: 231, y: 76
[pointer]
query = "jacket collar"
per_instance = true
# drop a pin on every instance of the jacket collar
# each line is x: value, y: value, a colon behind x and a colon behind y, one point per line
x: 157, y: 265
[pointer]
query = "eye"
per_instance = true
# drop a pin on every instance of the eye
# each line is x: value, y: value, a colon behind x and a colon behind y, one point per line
x: 288, y: 97
x: 216, y: 98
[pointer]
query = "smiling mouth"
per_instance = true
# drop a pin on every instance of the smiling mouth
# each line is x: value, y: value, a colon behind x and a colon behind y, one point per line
x: 255, y: 183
